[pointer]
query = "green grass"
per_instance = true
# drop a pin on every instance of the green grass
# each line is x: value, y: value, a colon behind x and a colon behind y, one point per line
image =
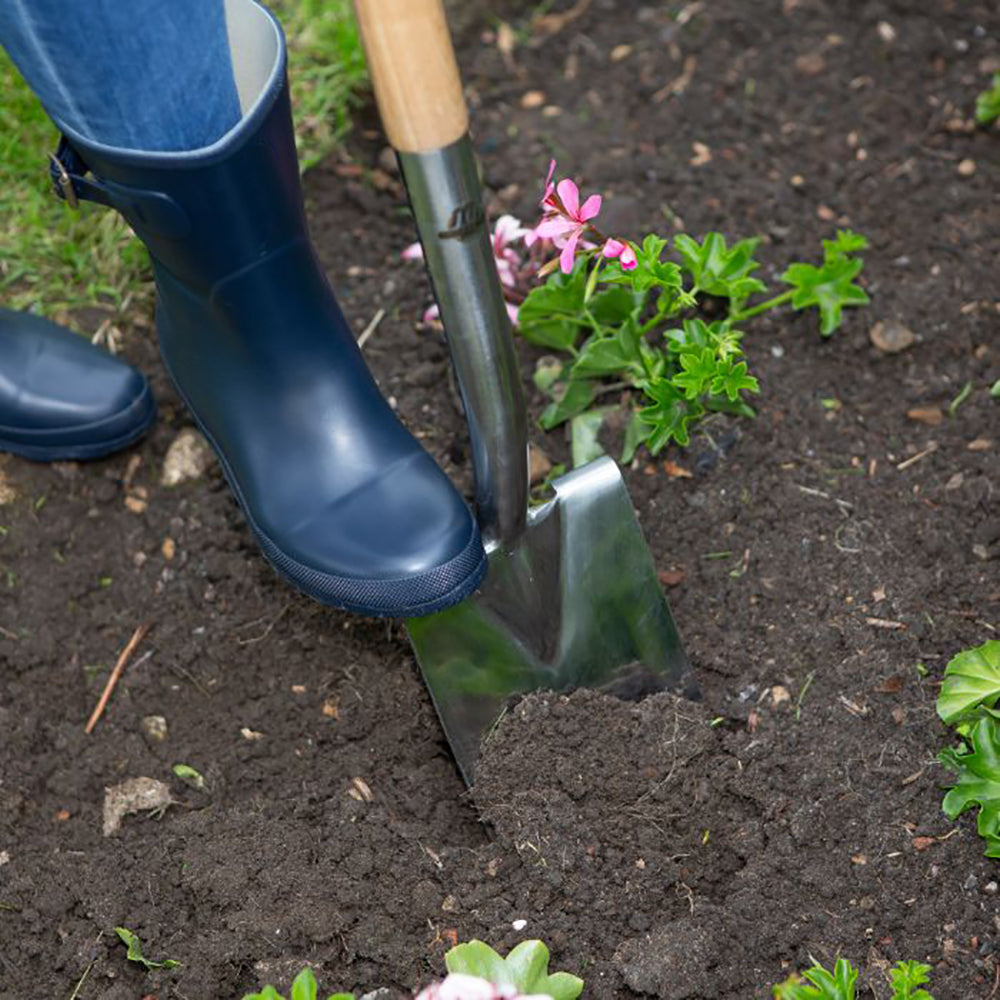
x: 54, y: 259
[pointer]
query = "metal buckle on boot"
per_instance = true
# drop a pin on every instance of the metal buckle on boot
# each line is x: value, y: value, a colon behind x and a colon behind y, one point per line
x: 63, y: 182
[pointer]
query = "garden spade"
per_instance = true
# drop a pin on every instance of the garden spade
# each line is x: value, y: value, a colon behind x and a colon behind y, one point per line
x: 571, y: 597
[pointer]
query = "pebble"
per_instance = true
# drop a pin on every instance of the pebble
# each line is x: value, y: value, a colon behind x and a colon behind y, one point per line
x: 970, y: 883
x: 891, y: 336
x: 966, y: 168
x: 519, y: 924
x: 990, y: 888
x: 188, y: 457
x: 154, y: 728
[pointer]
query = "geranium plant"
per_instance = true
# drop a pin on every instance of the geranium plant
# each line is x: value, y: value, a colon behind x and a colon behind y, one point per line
x: 660, y: 318
x: 968, y: 701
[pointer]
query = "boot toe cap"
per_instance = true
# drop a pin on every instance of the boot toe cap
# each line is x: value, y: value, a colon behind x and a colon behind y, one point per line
x: 404, y: 545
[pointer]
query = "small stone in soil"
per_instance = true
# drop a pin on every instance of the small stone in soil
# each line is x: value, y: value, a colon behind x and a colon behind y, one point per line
x: 154, y: 728
x: 891, y: 336
x: 188, y: 457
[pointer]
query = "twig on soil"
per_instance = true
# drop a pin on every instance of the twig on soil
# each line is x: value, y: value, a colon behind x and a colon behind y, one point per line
x: 843, y: 505
x: 267, y: 631
x: 7, y: 634
x: 884, y: 623
x: 996, y: 984
x: 126, y: 654
x: 916, y: 458
x: 371, y: 327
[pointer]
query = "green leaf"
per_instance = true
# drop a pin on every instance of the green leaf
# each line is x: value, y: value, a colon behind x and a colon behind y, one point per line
x: 720, y: 270
x: 571, y: 398
x: 650, y: 272
x: 584, y: 431
x: 988, y: 103
x: 134, y: 953
x: 830, y: 288
x: 303, y: 988
x: 846, y: 241
x: 526, y: 968
x: 821, y: 984
x: 189, y: 776
x: 669, y: 415
x: 476, y: 958
x: 636, y: 432
x: 971, y: 679
x: 731, y: 379
x: 552, y: 314
x: 906, y: 978
x: 304, y: 985
x: 548, y: 371
x: 267, y: 993
x: 978, y: 781
x: 995, y: 389
x: 609, y: 355
x: 697, y: 371
x: 615, y: 306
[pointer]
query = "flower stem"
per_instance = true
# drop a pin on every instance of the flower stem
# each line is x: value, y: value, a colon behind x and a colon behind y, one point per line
x: 762, y: 307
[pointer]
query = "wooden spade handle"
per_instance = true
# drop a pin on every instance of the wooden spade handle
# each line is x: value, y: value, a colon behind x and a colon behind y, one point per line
x: 412, y: 65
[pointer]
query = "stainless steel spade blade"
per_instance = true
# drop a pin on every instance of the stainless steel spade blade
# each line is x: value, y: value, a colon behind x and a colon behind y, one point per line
x: 575, y: 603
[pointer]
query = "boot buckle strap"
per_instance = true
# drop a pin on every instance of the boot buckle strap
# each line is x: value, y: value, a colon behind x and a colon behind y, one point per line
x: 149, y: 211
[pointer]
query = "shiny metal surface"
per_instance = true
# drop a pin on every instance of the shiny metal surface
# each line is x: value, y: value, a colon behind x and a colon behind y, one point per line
x: 447, y: 202
x: 576, y: 604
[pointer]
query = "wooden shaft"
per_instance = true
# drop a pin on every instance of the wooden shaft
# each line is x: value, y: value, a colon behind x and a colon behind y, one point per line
x: 413, y: 69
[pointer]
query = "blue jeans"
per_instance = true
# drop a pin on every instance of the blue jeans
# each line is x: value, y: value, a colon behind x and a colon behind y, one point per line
x: 136, y: 74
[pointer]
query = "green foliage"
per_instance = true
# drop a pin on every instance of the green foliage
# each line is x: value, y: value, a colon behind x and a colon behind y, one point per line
x: 526, y: 968
x: 907, y: 978
x: 134, y: 953
x: 326, y: 70
x: 830, y: 287
x: 303, y: 988
x: 977, y: 764
x: 53, y: 258
x: 971, y: 679
x: 189, y: 776
x: 988, y: 103
x: 646, y: 329
x: 819, y: 984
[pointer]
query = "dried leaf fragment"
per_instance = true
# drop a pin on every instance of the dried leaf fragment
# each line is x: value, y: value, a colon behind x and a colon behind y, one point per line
x: 930, y: 415
x: 133, y: 796
x: 360, y: 790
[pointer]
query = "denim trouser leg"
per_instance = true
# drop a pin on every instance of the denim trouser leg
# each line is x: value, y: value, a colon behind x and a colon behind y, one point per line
x: 136, y: 74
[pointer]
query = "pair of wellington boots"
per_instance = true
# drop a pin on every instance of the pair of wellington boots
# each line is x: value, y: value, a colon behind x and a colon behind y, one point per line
x: 342, y: 499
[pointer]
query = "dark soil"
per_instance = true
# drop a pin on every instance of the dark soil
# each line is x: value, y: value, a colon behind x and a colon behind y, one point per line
x: 657, y: 854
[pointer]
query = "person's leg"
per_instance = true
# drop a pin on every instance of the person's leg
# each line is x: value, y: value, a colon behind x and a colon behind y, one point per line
x: 345, y: 503
x: 136, y: 74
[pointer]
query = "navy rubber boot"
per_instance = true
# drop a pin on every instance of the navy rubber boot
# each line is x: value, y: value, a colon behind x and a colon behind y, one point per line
x: 63, y: 398
x: 344, y: 501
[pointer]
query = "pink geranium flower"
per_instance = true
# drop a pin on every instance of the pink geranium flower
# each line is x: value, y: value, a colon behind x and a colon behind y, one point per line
x: 461, y: 987
x: 623, y: 251
x: 566, y: 221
